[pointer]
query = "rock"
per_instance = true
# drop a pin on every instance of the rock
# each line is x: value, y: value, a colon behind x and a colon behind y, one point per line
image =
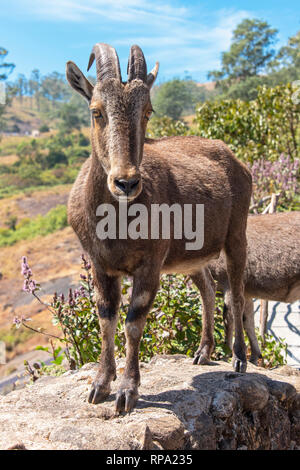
x: 223, y: 404
x: 252, y: 393
x: 181, y: 406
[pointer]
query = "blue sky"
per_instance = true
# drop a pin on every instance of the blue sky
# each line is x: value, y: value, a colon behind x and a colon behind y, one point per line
x: 184, y: 36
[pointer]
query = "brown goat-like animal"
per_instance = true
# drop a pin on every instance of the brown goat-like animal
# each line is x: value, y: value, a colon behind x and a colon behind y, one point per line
x: 272, y: 270
x: 175, y: 170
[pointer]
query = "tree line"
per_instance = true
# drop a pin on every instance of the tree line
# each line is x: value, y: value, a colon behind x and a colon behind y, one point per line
x: 250, y: 62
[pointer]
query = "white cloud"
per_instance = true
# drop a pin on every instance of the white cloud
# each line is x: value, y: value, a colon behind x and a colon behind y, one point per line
x: 181, y: 36
x: 189, y: 45
x: 114, y: 10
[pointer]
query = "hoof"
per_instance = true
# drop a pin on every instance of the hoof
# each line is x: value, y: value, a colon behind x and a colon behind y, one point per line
x: 202, y: 355
x: 98, y: 394
x: 239, y: 365
x: 126, y: 399
x: 201, y: 359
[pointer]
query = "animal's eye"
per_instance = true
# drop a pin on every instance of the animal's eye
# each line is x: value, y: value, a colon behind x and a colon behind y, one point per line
x: 148, y: 114
x: 97, y: 114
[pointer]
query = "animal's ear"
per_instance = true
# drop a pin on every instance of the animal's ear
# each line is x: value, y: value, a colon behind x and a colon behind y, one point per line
x: 152, y: 75
x: 78, y: 81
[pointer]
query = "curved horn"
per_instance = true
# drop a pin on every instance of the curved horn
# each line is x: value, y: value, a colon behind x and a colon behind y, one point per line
x: 152, y: 75
x: 136, y: 68
x: 107, y: 62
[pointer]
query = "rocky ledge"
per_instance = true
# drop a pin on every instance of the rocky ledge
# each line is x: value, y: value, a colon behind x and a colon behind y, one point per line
x: 181, y: 406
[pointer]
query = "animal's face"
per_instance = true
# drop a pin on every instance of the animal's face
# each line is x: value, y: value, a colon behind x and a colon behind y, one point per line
x: 119, y: 119
x: 119, y: 116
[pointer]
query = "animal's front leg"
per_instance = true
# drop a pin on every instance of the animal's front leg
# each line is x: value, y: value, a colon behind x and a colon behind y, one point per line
x: 108, y: 293
x: 145, y: 285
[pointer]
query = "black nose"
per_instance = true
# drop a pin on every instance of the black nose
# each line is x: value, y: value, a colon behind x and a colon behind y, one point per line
x: 127, y: 186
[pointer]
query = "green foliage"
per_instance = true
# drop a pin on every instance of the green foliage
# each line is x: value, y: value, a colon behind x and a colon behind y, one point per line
x: 38, y: 369
x: 69, y: 118
x: 251, y: 62
x: 46, y: 161
x: 56, y: 219
x: 54, y: 87
x: 165, y: 127
x: 274, y: 351
x: 44, y: 128
x: 175, y: 97
x: 262, y: 128
x: 289, y: 55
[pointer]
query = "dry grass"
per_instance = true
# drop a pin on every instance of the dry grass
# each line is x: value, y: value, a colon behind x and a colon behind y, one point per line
x: 8, y: 159
x: 30, y: 204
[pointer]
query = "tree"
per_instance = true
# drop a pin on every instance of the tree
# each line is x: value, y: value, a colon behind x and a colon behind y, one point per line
x: 35, y: 85
x: 21, y: 85
x: 289, y: 55
x: 175, y: 96
x: 54, y: 87
x: 69, y: 118
x: 250, y: 51
x: 5, y: 68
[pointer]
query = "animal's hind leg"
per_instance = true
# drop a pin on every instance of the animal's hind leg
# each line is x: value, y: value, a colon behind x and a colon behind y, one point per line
x: 205, y: 283
x: 108, y: 294
x: 228, y: 320
x: 248, y: 322
x: 235, y: 249
x: 250, y: 330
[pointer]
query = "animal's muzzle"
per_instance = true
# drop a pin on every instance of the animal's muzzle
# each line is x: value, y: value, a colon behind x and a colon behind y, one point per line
x: 127, y: 186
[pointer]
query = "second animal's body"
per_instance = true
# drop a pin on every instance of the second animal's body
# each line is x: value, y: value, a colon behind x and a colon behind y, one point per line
x: 272, y: 269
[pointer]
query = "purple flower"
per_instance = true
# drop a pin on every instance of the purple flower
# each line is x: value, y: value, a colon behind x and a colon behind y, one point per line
x: 71, y: 299
x: 76, y: 293
x: 30, y: 286
x: 82, y: 291
x: 86, y: 264
x: 17, y: 321
x: 25, y: 269
x: 278, y: 176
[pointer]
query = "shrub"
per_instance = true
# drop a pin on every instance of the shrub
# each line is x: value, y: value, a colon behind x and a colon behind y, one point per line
x: 262, y: 128
x: 165, y: 126
x: 44, y: 128
x: 55, y: 157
